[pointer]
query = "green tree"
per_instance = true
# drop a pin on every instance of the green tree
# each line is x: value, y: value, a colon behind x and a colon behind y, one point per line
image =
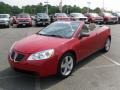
x: 97, y: 10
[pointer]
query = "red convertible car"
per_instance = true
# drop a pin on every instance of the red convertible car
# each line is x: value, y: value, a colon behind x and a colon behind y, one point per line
x: 57, y: 48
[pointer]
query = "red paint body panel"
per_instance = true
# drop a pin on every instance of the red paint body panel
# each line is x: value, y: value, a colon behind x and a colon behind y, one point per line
x: 43, y: 67
x: 81, y: 47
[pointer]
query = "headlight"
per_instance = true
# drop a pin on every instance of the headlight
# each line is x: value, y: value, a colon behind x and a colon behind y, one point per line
x: 12, y: 47
x: 6, y: 22
x: 41, y: 55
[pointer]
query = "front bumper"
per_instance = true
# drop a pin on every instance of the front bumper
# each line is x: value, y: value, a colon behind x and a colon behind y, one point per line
x: 43, y: 22
x: 98, y: 21
x: 41, y: 67
x: 24, y: 23
x: 4, y: 23
x: 112, y: 20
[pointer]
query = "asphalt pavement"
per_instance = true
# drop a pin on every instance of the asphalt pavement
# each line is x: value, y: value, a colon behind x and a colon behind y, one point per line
x: 100, y: 71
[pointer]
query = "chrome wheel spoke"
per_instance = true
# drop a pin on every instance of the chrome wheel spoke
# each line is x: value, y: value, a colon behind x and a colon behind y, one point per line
x: 67, y: 59
x: 107, y: 46
x: 70, y: 62
x: 63, y: 65
x: 67, y: 65
x: 65, y: 70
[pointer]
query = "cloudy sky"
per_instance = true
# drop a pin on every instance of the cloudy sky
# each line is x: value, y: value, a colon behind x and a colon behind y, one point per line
x: 109, y: 4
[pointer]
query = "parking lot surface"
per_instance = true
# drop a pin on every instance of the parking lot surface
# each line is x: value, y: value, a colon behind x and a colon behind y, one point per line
x: 99, y: 71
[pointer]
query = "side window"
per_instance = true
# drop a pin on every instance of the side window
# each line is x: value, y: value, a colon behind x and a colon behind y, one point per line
x: 84, y: 29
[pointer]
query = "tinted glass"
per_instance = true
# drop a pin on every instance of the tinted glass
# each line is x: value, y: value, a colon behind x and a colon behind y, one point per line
x: 77, y: 15
x: 23, y: 16
x: 3, y: 16
x: 108, y: 14
x: 94, y: 14
x: 42, y: 15
x: 60, y: 14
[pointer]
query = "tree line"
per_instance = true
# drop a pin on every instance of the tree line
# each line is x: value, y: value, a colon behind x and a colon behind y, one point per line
x: 40, y: 8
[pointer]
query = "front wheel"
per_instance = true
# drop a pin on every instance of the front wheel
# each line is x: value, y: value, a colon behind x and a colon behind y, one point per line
x: 107, y: 45
x: 66, y: 65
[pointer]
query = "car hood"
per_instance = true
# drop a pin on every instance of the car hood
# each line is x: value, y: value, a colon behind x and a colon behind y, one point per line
x: 99, y: 17
x: 43, y: 18
x: 61, y: 17
x: 111, y: 17
x: 81, y: 17
x: 23, y: 18
x: 114, y: 17
x: 36, y: 43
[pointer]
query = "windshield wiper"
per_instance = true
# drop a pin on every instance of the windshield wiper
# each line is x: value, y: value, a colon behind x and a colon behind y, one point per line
x: 42, y: 34
x: 56, y: 36
x: 52, y: 35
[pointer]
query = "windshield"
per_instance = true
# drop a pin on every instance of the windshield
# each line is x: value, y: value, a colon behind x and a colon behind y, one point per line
x: 77, y: 15
x: 94, y: 14
x: 108, y: 14
x: 60, y: 15
x: 23, y: 16
x: 60, y: 29
x: 118, y: 14
x: 3, y: 16
x: 42, y: 15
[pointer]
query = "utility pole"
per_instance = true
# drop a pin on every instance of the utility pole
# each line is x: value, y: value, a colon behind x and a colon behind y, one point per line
x: 23, y: 9
x: 67, y: 9
x: 89, y: 3
x: 103, y: 5
x: 60, y: 6
x: 46, y: 6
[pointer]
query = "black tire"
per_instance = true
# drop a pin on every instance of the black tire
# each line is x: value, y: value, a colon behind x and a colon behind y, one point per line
x: 17, y: 26
x: 59, y: 71
x: 37, y: 25
x: 8, y: 26
x: 11, y: 24
x: 107, y: 45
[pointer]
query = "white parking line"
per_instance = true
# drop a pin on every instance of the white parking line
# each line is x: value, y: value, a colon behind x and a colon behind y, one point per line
x: 101, y: 66
x: 111, y: 60
x: 37, y: 84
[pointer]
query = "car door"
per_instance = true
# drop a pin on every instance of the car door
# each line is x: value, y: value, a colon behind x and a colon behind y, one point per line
x: 87, y: 45
x: 102, y: 35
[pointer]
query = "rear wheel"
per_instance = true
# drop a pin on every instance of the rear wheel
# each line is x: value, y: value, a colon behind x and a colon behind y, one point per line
x: 107, y: 45
x: 66, y: 65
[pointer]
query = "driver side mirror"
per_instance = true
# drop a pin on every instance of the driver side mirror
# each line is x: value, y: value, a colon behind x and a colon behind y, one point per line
x: 84, y: 34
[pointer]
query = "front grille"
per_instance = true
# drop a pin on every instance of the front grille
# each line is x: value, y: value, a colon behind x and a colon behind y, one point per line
x: 82, y: 19
x: 98, y: 19
x: 2, y: 21
x: 23, y: 20
x: 43, y: 20
x: 16, y: 56
x: 114, y: 18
